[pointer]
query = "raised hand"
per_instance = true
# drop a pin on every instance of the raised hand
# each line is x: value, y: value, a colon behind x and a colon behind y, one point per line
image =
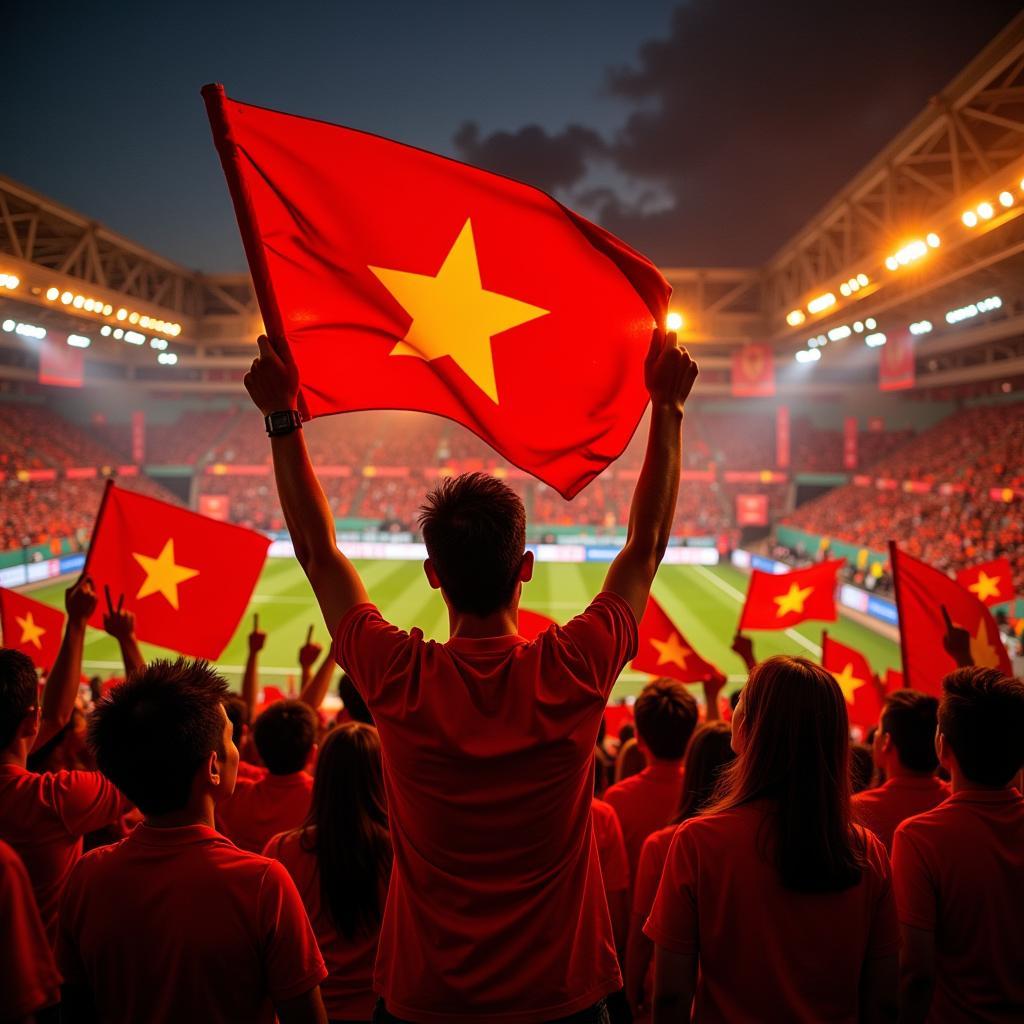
x: 309, y: 651
x: 118, y: 622
x: 256, y: 638
x: 273, y: 378
x: 744, y: 647
x: 80, y: 600
x: 669, y: 372
x: 957, y: 642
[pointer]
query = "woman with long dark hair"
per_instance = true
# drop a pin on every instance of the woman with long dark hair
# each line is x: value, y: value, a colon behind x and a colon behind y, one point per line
x: 781, y: 901
x: 707, y: 754
x: 341, y: 861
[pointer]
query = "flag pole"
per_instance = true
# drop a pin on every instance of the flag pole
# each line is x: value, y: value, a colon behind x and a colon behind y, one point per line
x: 824, y: 638
x: 893, y: 551
x: 108, y: 487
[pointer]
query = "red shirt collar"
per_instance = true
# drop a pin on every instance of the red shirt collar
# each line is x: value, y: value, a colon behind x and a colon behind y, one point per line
x: 182, y: 835
x: 1008, y: 795
x: 914, y: 782
x: 484, y: 644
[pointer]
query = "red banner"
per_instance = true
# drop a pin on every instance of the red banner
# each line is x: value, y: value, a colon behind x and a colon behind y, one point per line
x: 751, y: 509
x: 782, y: 437
x: 215, y: 506
x: 896, y: 362
x: 753, y: 372
x: 138, y: 437
x: 876, y: 425
x: 850, y: 456
x: 60, y: 365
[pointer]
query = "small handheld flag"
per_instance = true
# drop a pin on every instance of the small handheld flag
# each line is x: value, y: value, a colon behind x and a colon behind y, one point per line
x: 31, y: 627
x: 662, y: 650
x: 778, y: 601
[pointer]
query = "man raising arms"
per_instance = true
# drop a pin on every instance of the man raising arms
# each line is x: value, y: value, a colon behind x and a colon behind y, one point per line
x: 496, y: 907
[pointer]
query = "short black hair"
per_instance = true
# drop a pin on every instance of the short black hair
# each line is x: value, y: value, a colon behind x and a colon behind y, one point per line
x: 353, y: 701
x: 666, y: 715
x: 237, y: 711
x: 151, y: 734
x: 284, y: 735
x: 19, y: 692
x: 474, y: 527
x: 910, y: 718
x: 981, y: 715
x: 862, y: 767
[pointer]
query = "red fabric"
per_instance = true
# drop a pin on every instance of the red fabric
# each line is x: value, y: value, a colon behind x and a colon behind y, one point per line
x: 753, y: 371
x: 31, y: 627
x: 850, y: 439
x: 896, y: 370
x: 644, y: 803
x: 217, y: 566
x: 786, y: 599
x: 893, y: 680
x: 783, y: 435
x: 178, y: 924
x: 258, y: 810
x: 248, y: 772
x: 921, y: 593
x: 532, y: 624
x: 958, y: 871
x: 991, y: 582
x: 662, y: 650
x: 44, y: 817
x: 851, y: 671
x: 319, y: 205
x: 611, y: 848
x: 496, y: 908
x: 883, y: 809
x: 29, y: 979
x: 616, y: 716
x: 648, y: 877
x: 760, y: 945
x: 60, y: 364
x: 347, y: 990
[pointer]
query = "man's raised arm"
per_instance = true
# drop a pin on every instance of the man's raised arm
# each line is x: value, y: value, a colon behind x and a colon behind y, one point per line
x: 273, y: 385
x: 669, y: 373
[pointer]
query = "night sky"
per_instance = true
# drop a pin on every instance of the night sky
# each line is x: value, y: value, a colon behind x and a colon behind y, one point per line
x: 704, y: 132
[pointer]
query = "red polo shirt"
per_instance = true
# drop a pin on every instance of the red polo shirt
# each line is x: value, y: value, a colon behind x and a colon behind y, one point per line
x: 645, y: 888
x: 882, y: 809
x: 958, y: 871
x: 763, y: 949
x: 645, y: 803
x: 611, y: 850
x: 178, y: 924
x: 28, y: 976
x: 262, y: 808
x: 496, y: 908
x: 44, y: 817
x: 347, y: 990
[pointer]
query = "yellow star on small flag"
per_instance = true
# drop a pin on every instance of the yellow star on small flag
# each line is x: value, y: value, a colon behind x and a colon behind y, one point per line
x: 793, y: 600
x: 163, y: 574
x: 671, y: 651
x: 848, y: 682
x: 985, y: 586
x: 453, y: 314
x: 30, y: 632
x: 982, y: 652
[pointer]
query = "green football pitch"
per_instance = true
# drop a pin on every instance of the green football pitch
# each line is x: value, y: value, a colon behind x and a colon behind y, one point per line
x: 703, y: 602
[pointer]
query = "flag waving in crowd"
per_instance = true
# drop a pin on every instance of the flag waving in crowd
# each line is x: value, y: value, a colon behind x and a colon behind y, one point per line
x: 990, y: 582
x: 405, y: 280
x: 662, y: 650
x: 778, y: 601
x: 30, y: 626
x: 532, y: 624
x: 851, y: 671
x: 186, y: 578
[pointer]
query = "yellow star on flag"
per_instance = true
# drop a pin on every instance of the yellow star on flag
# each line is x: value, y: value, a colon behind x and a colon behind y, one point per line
x: 793, y: 600
x: 982, y: 652
x: 30, y: 632
x: 985, y: 586
x: 453, y: 314
x: 162, y: 574
x: 848, y: 682
x: 671, y: 650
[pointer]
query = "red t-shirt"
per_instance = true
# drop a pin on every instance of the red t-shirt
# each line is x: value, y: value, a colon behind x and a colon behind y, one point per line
x: 348, y: 988
x: 44, y: 816
x: 646, y: 802
x: 958, y: 871
x: 883, y: 808
x: 178, y: 924
x: 496, y: 906
x: 611, y: 850
x: 28, y: 976
x: 261, y: 809
x: 761, y: 946
x: 645, y: 888
x: 249, y: 772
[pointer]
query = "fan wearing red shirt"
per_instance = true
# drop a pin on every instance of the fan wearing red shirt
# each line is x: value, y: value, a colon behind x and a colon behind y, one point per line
x: 496, y: 908
x: 904, y: 751
x: 44, y: 816
x: 285, y: 737
x: 238, y: 714
x: 773, y: 904
x: 341, y: 861
x: 611, y: 852
x: 175, y: 923
x: 665, y: 715
x: 958, y: 869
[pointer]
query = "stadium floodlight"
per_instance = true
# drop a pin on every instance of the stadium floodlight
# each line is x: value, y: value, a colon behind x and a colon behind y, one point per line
x: 862, y: 280
x: 808, y: 355
x: 134, y: 338
x: 891, y: 263
x: 970, y: 218
x: 158, y: 343
x: 105, y: 330
x: 9, y: 281
x: 933, y: 240
x: 167, y: 358
x: 795, y: 317
x: 908, y: 254
x: 955, y: 316
x: 133, y: 318
x: 674, y: 322
x: 66, y: 298
x: 30, y: 331
x: 8, y: 326
x: 122, y: 313
x: 858, y: 326
x: 821, y: 302
x: 79, y: 341
x: 844, y: 288
x: 78, y: 301
x: 921, y: 327
x: 118, y: 333
x: 870, y: 323
x: 985, y: 211
x: 875, y: 340
x: 838, y: 333
x: 107, y: 309
x: 52, y: 294
x: 1006, y: 198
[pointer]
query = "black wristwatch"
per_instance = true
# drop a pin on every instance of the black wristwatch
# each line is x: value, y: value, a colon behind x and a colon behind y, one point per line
x: 284, y: 422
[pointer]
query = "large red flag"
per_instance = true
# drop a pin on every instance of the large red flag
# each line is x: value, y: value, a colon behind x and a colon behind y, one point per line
x: 990, y: 582
x: 31, y: 627
x: 778, y: 601
x: 532, y: 624
x: 662, y: 650
x: 922, y: 592
x: 851, y: 671
x: 753, y: 371
x: 404, y: 280
x: 893, y: 680
x: 187, y: 578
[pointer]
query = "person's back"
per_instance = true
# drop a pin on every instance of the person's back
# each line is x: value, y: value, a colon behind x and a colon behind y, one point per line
x: 958, y: 869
